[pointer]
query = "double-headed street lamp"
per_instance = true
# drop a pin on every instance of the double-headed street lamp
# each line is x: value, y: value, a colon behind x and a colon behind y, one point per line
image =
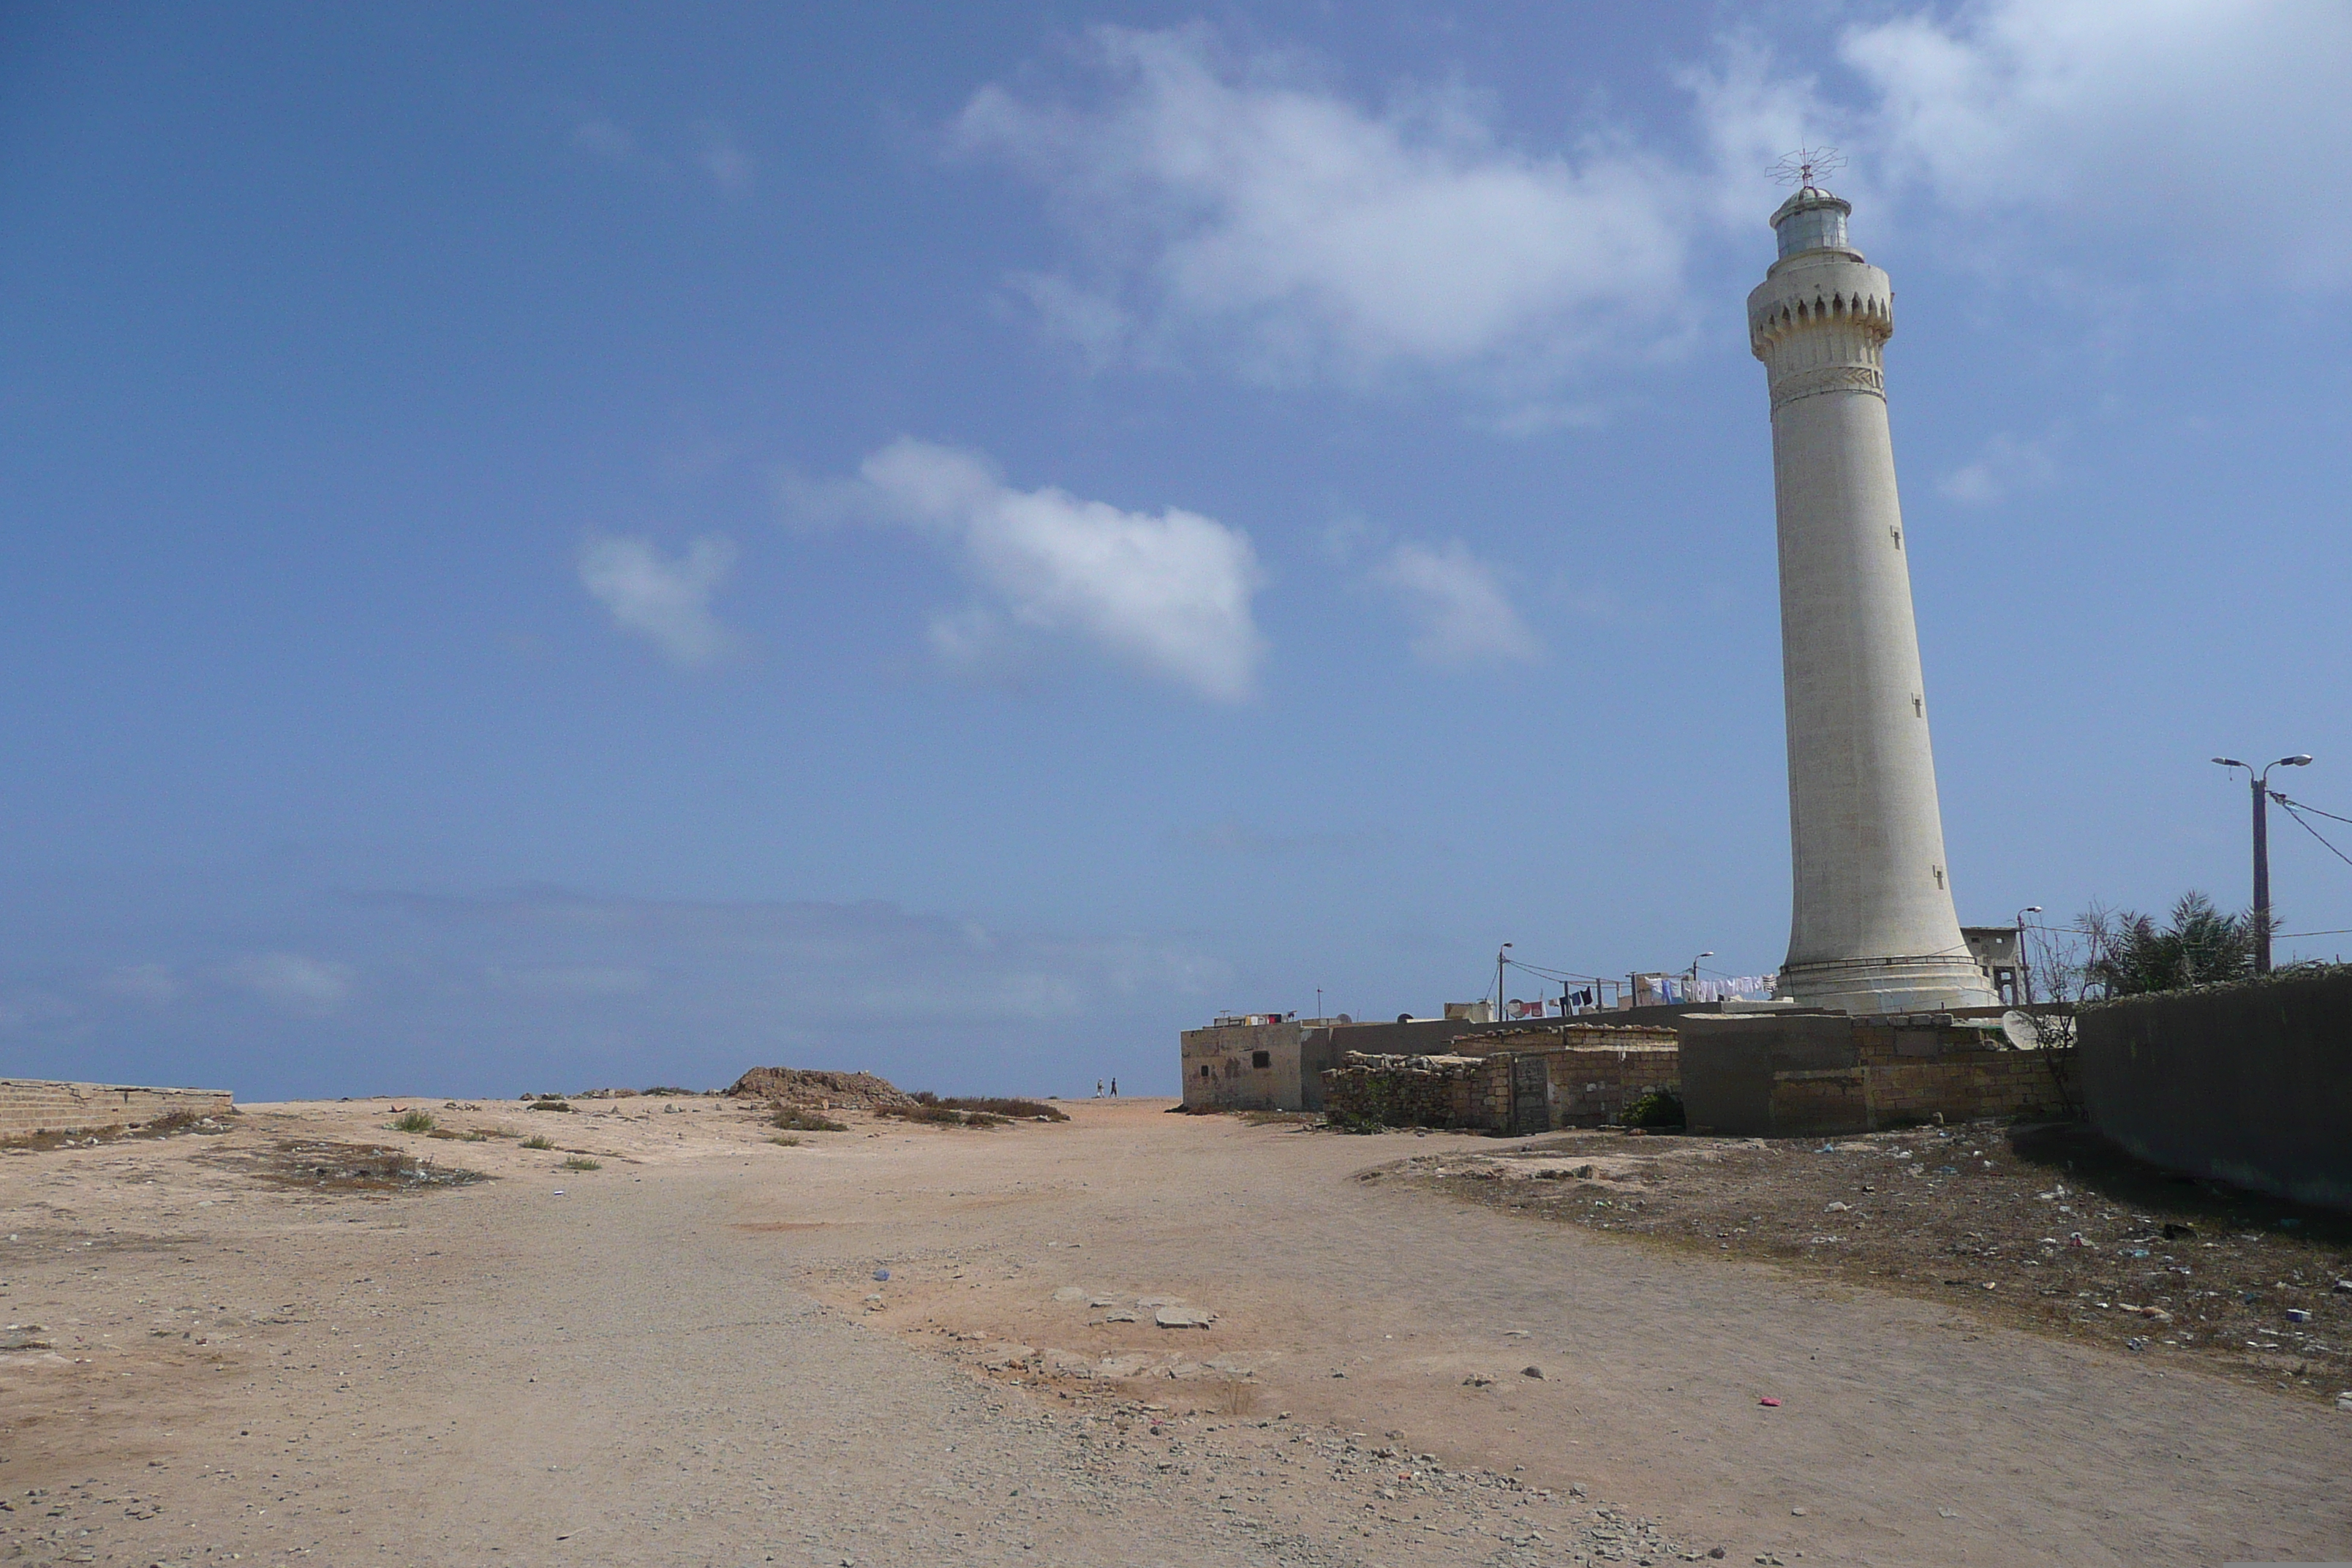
x: 2263, y: 850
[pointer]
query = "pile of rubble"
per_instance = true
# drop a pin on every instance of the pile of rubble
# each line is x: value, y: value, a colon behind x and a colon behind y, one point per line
x: 824, y: 1090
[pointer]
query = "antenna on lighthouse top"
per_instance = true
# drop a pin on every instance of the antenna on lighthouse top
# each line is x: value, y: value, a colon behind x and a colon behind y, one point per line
x: 1807, y: 166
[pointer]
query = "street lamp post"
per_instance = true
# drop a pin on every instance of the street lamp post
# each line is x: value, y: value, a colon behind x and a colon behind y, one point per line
x: 1694, y: 972
x: 1499, y: 962
x: 2261, y: 782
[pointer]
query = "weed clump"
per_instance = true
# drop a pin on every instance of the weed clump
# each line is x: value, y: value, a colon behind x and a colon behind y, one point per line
x: 539, y: 1141
x: 993, y: 1105
x: 801, y: 1118
x: 785, y: 1141
x: 551, y: 1103
x: 577, y: 1163
x: 415, y: 1122
x: 940, y: 1114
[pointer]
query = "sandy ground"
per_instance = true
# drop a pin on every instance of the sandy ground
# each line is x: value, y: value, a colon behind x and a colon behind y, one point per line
x: 685, y: 1356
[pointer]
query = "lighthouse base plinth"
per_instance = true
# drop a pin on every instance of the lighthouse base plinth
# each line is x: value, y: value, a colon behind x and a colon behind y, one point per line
x: 1933, y: 984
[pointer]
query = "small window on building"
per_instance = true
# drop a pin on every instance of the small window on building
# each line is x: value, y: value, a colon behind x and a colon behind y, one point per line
x: 1204, y: 1070
x: 1261, y: 1058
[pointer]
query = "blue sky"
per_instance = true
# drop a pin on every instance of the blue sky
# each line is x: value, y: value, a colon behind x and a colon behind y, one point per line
x: 550, y: 546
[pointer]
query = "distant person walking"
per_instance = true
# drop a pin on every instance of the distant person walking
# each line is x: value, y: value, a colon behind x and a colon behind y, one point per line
x: 1097, y: 1088
x: 1114, y: 1089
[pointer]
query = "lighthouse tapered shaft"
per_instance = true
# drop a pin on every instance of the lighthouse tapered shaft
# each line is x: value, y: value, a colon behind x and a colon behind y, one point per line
x: 1873, y: 926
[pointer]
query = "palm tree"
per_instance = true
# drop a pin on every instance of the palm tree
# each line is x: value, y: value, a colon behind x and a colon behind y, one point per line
x: 2203, y: 946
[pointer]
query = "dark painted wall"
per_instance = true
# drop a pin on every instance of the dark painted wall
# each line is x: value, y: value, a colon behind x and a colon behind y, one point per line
x: 2248, y: 1084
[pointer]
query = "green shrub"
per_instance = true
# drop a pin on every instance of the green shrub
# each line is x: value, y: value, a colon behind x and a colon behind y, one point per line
x: 539, y: 1141
x: 415, y: 1122
x: 551, y: 1104
x: 577, y: 1163
x: 1659, y: 1108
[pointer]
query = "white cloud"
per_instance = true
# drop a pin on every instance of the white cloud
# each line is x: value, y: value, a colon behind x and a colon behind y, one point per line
x: 2006, y: 465
x: 1168, y: 593
x: 723, y: 158
x: 1235, y: 202
x: 1234, y: 207
x: 561, y: 981
x: 665, y: 600
x: 1462, y: 614
x: 151, y: 983
x: 310, y: 986
x: 2210, y: 128
x: 609, y: 140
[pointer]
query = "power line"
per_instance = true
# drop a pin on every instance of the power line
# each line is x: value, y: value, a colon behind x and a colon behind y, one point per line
x: 2300, y: 806
x: 2307, y: 827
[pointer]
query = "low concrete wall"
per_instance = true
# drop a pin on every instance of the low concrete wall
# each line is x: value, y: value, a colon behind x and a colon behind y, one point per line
x: 43, y: 1105
x: 1806, y: 1074
x: 2248, y: 1084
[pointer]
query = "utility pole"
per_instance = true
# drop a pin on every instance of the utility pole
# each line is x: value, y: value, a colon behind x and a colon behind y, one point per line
x: 2262, y: 786
x: 2024, y: 969
x: 1499, y: 962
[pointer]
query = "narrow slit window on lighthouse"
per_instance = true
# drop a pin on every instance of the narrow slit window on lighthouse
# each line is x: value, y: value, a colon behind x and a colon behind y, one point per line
x: 1939, y: 875
x: 1897, y: 533
x: 1918, y: 705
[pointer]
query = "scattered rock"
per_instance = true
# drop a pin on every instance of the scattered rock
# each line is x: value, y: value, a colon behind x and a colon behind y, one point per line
x: 1183, y: 1317
x: 1069, y: 1293
x: 1478, y: 1380
x: 832, y: 1090
x: 1534, y: 1372
x: 1122, y: 1315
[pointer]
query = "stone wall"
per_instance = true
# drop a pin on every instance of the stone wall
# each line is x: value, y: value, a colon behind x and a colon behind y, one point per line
x: 42, y: 1105
x: 2249, y: 1084
x: 1583, y: 1086
x: 1408, y: 1091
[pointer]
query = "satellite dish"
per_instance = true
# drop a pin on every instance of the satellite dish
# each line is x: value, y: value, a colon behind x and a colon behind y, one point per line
x: 2023, y: 1033
x: 1345, y: 1020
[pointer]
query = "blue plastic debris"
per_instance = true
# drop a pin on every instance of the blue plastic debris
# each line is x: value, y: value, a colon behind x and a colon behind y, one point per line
x: 882, y: 1274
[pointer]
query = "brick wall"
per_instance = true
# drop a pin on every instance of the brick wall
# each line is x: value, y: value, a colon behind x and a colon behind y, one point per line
x: 41, y: 1105
x: 1590, y: 1086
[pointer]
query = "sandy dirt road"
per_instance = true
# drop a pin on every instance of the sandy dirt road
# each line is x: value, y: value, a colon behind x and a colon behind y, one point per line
x: 684, y: 1357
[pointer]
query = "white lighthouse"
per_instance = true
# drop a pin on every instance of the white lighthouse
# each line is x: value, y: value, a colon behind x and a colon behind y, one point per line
x: 1873, y: 929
